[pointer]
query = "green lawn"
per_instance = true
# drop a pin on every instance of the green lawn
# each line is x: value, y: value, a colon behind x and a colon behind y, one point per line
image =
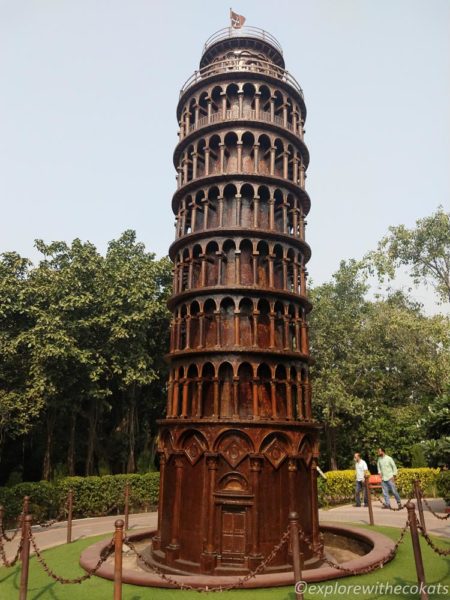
x: 64, y: 561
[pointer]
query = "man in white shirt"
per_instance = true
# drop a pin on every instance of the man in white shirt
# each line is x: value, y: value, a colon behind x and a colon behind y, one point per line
x: 360, y: 470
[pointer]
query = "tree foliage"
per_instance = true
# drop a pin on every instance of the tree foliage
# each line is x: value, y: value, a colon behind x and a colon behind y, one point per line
x: 424, y: 249
x: 82, y: 338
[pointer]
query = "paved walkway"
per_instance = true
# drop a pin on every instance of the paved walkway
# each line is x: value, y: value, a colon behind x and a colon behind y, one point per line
x: 84, y: 528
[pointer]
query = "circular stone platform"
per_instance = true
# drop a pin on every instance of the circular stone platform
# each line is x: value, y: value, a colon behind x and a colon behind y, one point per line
x: 341, y: 544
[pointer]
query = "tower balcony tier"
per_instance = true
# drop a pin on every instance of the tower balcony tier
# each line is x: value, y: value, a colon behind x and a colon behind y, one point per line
x: 260, y: 179
x: 253, y: 68
x: 260, y: 353
x: 237, y: 118
x: 239, y: 292
x: 247, y: 37
x: 239, y: 234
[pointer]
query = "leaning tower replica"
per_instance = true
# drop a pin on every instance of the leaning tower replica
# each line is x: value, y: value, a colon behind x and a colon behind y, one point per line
x: 238, y: 446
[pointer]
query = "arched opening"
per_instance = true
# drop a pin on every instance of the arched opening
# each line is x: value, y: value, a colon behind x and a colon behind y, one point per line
x: 246, y: 265
x: 201, y: 158
x: 227, y: 322
x: 263, y: 329
x: 246, y: 322
x: 279, y: 158
x: 211, y: 264
x: 264, y: 391
x: 225, y: 390
x: 229, y: 263
x: 192, y: 375
x: 265, y: 98
x: 231, y: 163
x: 278, y: 106
x: 196, y: 265
x: 246, y: 217
x: 232, y: 101
x: 183, y: 327
x: 292, y: 342
x: 229, y: 206
x: 245, y: 401
x: 210, y: 323
x: 199, y: 211
x: 214, y: 154
x: 248, y: 100
x: 248, y: 153
x: 262, y: 267
x: 294, y: 392
x: 213, y: 208
x: 190, y: 163
x: 208, y: 390
x: 264, y: 155
x: 278, y: 211
x: 264, y: 197
x: 280, y: 377
x: 278, y: 281
x: 279, y: 325
x: 195, y: 325
x: 185, y: 270
x: 290, y: 270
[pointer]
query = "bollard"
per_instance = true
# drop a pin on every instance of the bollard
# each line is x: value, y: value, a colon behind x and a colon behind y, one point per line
x: 118, y: 540
x: 25, y: 511
x: 25, y: 557
x: 418, y: 496
x: 416, y: 548
x: 127, y: 502
x: 369, y: 499
x: 296, y: 557
x: 69, y: 516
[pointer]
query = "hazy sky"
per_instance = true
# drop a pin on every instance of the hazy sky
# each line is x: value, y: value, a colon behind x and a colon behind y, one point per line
x: 88, y: 92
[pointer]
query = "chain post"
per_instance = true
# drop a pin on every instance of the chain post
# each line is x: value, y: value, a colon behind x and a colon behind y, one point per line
x: 26, y: 529
x: 127, y: 504
x: 416, y: 548
x: 418, y: 494
x: 369, y: 498
x: 118, y: 542
x: 25, y: 511
x: 296, y: 558
x: 69, y: 515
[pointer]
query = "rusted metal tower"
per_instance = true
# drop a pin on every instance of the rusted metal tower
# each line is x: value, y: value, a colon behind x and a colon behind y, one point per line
x: 238, y: 447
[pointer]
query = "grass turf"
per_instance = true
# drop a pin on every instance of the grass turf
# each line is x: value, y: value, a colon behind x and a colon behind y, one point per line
x: 64, y: 561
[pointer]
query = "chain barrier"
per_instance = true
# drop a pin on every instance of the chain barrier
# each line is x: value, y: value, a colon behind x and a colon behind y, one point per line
x: 382, y: 502
x: 430, y: 542
x: 103, y: 558
x: 5, y: 536
x: 378, y: 565
x: 427, y: 504
x: 10, y: 563
x: 218, y: 588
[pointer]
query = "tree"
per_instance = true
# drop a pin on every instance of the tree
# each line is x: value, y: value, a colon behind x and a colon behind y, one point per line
x: 378, y: 364
x: 424, y: 249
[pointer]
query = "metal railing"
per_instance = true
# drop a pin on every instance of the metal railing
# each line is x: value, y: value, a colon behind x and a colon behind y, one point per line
x: 251, y: 32
x: 247, y: 115
x: 243, y: 64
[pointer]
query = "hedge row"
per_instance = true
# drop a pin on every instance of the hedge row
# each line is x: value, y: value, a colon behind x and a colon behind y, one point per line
x: 93, y: 496
x: 97, y: 496
x: 339, y: 486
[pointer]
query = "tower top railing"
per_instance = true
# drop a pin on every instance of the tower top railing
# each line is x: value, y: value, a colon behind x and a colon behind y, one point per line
x: 263, y: 67
x: 246, y: 32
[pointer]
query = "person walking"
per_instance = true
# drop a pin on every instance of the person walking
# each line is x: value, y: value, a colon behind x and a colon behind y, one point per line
x: 360, y: 471
x: 388, y: 471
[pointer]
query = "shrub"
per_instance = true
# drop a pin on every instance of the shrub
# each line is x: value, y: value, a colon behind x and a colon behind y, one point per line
x: 93, y: 496
x: 339, y: 486
x: 443, y: 486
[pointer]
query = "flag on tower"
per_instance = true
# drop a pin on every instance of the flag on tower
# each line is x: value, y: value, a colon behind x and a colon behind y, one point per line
x: 237, y: 21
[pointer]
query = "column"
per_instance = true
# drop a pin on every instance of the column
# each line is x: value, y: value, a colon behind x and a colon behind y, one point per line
x: 194, y: 165
x: 237, y: 214
x: 256, y: 158
x: 237, y: 274
x: 241, y: 103
x: 220, y: 199
x: 176, y: 506
x: 218, y: 325
x: 216, y: 397
x: 286, y: 332
x: 273, y: 397
x: 255, y: 398
x: 203, y: 270
x: 292, y: 468
x: 184, y: 405
x: 272, y: 160
x: 257, y: 104
x: 206, y: 161
x: 255, y: 211
x: 169, y: 397
x: 289, y: 399
x: 201, y: 327
x: 255, y: 472
x: 235, y: 397
x: 239, y: 156
x: 271, y: 213
x: 272, y: 330
x: 221, y: 157
x: 314, y: 505
x: 270, y: 258
x: 199, y: 398
x: 162, y: 467
x: 211, y: 464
